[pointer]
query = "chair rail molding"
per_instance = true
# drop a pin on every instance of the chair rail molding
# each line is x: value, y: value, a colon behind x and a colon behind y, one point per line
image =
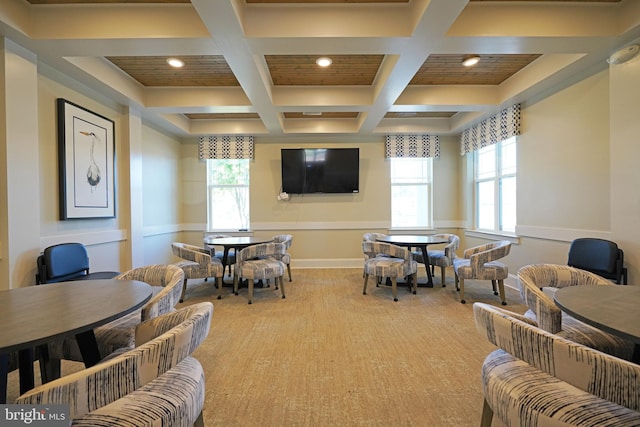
x: 559, y: 234
x: 88, y: 238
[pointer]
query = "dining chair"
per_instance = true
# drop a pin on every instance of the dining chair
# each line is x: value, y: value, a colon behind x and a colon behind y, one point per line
x: 371, y: 237
x: 165, y: 280
x: 384, y: 260
x: 218, y: 253
x: 287, y: 239
x: 538, y: 283
x: 67, y: 261
x: 156, y: 383
x: 599, y: 256
x: 198, y: 264
x: 536, y: 378
x: 442, y: 258
x: 479, y: 263
x: 260, y: 262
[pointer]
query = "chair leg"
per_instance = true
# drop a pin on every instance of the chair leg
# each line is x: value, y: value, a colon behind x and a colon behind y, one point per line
x: 394, y: 288
x: 250, y: 289
x: 184, y: 289
x: 235, y: 284
x: 281, y: 285
x: 493, y: 285
x: 364, y: 289
x: 443, y: 271
x: 456, y: 280
x: 219, y: 284
x: 462, y: 291
x: 414, y: 281
x: 199, y: 421
x: 487, y: 415
x: 503, y: 300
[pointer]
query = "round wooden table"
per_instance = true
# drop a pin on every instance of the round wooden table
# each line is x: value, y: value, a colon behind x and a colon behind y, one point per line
x: 34, y: 315
x: 613, y: 309
x: 421, y: 242
x: 237, y: 243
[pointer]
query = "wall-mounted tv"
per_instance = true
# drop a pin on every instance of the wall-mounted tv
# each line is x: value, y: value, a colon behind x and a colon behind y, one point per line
x: 320, y: 170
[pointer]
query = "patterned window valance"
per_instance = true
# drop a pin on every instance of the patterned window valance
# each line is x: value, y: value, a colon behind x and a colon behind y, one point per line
x: 225, y: 147
x: 496, y: 128
x: 412, y: 146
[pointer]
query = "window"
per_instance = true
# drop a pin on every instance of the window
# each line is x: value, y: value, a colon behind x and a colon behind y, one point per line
x: 495, y: 183
x: 411, y: 192
x: 227, y: 194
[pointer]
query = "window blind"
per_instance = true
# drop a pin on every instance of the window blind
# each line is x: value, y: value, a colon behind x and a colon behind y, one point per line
x: 412, y: 146
x: 496, y: 128
x: 225, y: 147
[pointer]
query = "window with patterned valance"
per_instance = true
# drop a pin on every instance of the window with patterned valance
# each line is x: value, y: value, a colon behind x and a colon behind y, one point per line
x: 225, y: 147
x: 412, y: 146
x: 499, y: 127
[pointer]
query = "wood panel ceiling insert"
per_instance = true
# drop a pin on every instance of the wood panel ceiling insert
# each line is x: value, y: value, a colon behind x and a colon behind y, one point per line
x: 346, y: 70
x: 151, y: 71
x: 324, y: 115
x: 491, y: 70
x: 222, y: 116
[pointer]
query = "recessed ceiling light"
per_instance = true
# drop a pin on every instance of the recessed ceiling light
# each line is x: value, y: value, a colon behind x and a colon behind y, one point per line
x: 311, y: 113
x: 324, y: 61
x: 175, y: 62
x: 470, y: 61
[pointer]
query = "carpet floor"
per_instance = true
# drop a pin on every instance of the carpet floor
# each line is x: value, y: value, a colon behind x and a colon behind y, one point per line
x: 328, y: 355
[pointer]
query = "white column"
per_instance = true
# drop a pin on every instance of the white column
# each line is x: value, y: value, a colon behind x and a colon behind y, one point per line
x: 19, y: 166
x: 131, y: 160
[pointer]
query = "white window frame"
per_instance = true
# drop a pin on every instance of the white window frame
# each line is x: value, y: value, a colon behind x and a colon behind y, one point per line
x: 213, y: 204
x: 424, y: 184
x: 499, y: 176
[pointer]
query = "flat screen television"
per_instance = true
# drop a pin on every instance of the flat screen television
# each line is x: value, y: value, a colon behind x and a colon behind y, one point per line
x: 320, y: 170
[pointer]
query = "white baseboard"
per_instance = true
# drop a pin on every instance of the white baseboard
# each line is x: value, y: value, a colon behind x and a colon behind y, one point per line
x: 327, y: 263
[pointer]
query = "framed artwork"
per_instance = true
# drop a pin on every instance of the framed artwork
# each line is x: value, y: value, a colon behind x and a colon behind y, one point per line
x: 86, y: 157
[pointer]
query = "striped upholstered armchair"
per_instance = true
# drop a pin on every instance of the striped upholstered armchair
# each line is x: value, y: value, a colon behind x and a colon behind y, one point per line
x: 540, y: 379
x: 198, y: 264
x: 157, y: 383
x: 538, y: 282
x: 387, y: 260
x: 260, y: 262
x: 287, y: 239
x: 480, y: 263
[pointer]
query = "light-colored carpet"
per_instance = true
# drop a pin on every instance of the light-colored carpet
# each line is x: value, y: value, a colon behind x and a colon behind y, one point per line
x: 328, y: 355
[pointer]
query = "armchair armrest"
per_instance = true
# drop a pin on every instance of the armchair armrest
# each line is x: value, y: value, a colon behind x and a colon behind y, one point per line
x: 471, y: 251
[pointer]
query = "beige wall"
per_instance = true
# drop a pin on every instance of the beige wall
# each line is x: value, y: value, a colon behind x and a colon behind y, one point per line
x: 625, y: 151
x: 162, y: 194
x: 319, y: 221
x: 563, y: 158
x: 104, y: 238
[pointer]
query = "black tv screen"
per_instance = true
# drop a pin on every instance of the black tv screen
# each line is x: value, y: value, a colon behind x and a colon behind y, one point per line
x: 320, y: 170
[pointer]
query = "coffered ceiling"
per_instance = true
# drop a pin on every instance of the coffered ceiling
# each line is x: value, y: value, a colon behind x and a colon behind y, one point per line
x: 249, y: 66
